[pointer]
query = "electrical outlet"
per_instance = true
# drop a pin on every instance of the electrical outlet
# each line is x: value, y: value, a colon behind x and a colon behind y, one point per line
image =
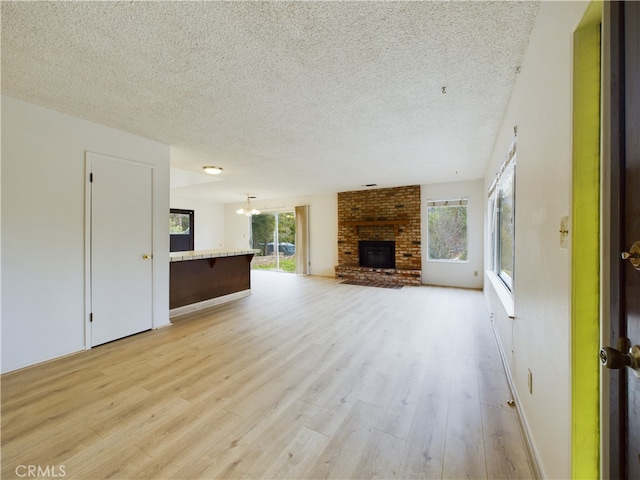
x: 475, y: 273
x: 530, y: 381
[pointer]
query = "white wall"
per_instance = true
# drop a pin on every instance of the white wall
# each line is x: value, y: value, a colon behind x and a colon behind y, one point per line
x: 456, y: 274
x: 208, y: 220
x: 541, y: 107
x: 323, y: 228
x: 43, y: 228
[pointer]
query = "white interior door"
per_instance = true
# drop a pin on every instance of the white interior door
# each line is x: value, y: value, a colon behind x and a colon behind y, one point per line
x: 121, y: 244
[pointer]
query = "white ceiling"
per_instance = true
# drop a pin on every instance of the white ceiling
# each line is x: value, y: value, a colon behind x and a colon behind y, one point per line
x: 290, y: 98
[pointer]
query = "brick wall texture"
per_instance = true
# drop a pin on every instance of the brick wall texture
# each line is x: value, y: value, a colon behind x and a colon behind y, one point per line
x: 382, y: 204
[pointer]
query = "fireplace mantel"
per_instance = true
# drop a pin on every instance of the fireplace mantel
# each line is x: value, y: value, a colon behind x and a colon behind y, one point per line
x: 362, y: 223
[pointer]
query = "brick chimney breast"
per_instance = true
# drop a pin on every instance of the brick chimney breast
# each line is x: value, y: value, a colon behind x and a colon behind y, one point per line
x: 383, y: 214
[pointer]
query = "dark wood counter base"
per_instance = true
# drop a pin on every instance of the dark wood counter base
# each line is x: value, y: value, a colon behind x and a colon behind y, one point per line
x: 196, y: 281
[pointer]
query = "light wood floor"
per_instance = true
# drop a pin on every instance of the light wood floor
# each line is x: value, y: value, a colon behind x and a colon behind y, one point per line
x: 307, y: 378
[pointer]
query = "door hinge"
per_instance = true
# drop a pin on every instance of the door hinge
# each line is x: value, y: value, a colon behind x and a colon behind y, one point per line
x: 91, y: 317
x: 91, y: 177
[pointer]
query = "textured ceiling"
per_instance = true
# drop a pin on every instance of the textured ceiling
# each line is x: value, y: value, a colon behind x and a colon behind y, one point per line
x: 289, y: 98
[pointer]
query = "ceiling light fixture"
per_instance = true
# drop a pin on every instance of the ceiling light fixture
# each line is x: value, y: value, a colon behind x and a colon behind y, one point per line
x: 246, y: 209
x: 211, y: 170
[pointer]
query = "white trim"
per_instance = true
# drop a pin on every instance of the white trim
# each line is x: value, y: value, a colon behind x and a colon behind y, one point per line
x: 506, y: 163
x: 155, y: 255
x: 457, y: 202
x: 212, y: 302
x: 444, y: 260
x: 524, y: 426
x: 87, y: 252
x: 504, y: 294
x: 460, y: 202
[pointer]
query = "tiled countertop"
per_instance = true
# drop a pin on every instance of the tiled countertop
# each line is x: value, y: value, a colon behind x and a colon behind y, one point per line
x: 215, y: 253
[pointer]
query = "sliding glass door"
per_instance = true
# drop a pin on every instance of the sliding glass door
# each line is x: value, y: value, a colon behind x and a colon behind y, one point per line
x: 274, y: 234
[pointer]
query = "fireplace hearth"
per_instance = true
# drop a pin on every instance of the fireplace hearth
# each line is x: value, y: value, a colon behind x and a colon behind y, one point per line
x: 377, y: 254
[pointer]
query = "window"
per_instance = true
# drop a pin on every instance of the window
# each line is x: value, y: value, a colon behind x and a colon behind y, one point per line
x: 502, y: 206
x: 274, y: 234
x: 447, y: 238
x: 505, y: 228
x: 181, y: 230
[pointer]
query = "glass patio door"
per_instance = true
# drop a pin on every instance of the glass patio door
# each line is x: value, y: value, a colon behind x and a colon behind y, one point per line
x: 274, y: 234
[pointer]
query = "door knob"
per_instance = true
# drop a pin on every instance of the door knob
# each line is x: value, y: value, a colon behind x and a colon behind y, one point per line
x: 633, y: 255
x: 614, y: 358
x: 146, y: 256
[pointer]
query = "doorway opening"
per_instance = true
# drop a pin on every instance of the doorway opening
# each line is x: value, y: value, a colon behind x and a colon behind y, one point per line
x: 274, y: 235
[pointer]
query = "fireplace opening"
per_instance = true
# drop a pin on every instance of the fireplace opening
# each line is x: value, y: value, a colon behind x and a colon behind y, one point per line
x: 377, y: 254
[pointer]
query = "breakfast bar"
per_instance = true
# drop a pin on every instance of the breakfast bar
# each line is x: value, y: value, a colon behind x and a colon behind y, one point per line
x: 204, y: 278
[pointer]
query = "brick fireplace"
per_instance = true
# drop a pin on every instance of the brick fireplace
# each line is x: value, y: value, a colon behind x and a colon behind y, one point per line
x: 380, y: 216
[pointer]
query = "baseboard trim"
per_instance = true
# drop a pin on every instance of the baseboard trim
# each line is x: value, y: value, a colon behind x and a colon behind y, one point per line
x: 212, y: 302
x: 524, y: 426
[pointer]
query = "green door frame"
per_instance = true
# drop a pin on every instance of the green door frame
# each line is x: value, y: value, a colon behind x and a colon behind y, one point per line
x: 585, y: 247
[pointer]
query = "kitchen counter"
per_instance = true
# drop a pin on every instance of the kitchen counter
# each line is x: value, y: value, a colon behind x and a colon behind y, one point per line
x: 204, y: 278
x: 214, y: 253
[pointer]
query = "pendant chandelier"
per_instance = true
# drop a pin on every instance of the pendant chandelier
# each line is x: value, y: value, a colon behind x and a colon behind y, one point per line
x: 247, y: 210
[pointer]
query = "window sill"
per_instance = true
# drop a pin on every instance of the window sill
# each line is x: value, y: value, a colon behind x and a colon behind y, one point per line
x: 440, y: 260
x: 505, y: 296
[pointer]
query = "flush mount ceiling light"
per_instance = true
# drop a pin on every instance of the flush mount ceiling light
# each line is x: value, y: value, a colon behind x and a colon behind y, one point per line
x: 211, y: 170
x: 246, y: 209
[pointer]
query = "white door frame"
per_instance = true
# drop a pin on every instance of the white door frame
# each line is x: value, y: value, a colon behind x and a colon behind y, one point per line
x: 88, y: 162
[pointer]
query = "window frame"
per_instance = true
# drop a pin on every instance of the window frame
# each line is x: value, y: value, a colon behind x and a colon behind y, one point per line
x: 177, y: 238
x: 275, y: 237
x: 505, y: 179
x: 507, y: 183
x: 457, y: 203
